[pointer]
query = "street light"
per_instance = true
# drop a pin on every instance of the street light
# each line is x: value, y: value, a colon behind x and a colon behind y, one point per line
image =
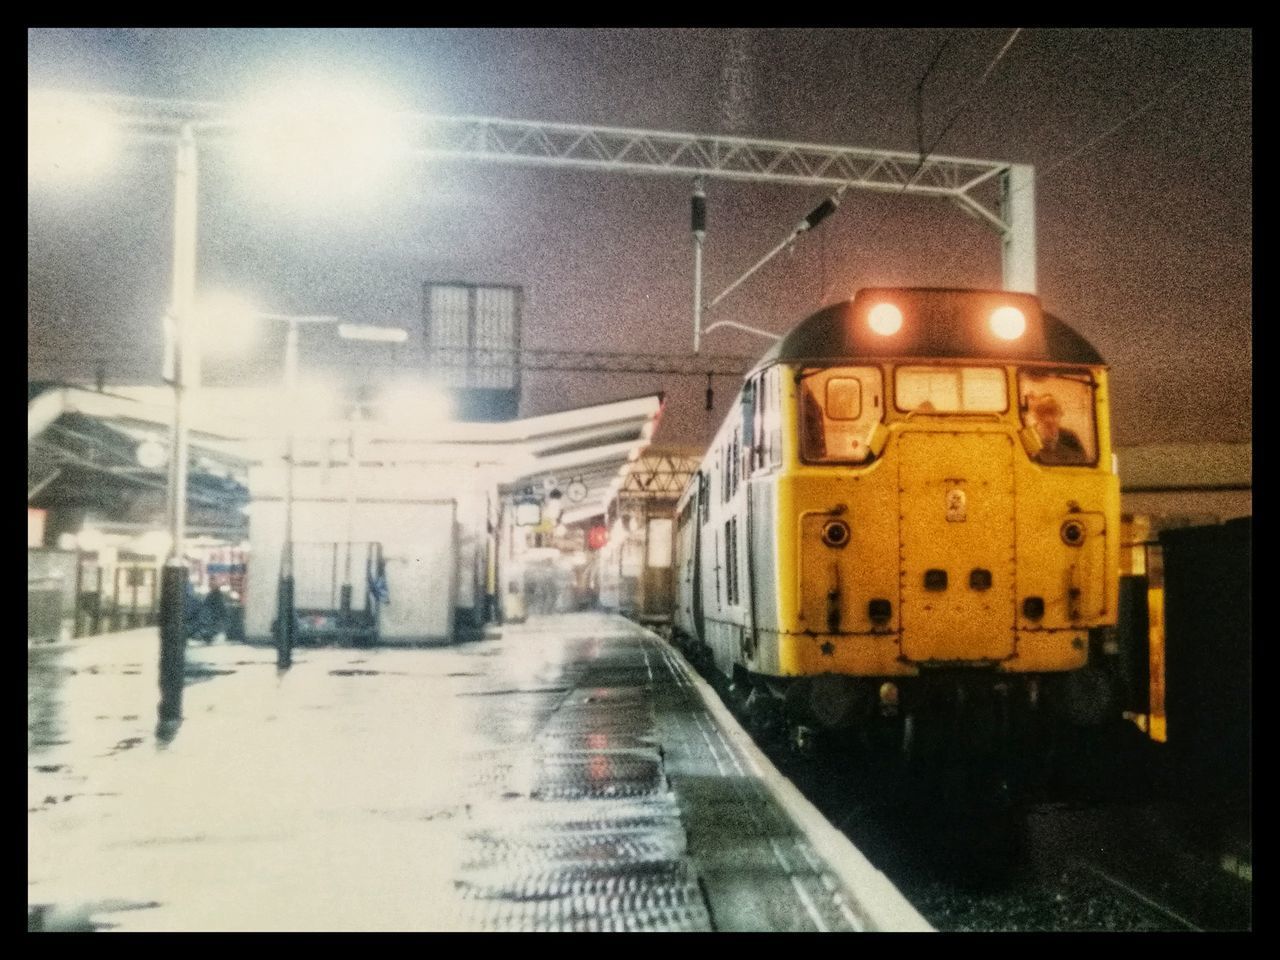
x: 74, y: 134
x: 184, y: 371
x: 286, y: 616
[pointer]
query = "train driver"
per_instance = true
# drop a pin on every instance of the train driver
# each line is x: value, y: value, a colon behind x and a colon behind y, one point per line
x: 1060, y: 445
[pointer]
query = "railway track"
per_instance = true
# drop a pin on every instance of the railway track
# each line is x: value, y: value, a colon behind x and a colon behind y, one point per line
x: 1089, y: 864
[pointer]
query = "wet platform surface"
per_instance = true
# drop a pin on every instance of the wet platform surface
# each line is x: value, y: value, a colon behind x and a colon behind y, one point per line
x: 569, y: 775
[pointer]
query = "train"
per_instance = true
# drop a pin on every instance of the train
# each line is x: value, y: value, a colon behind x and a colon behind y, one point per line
x: 910, y: 521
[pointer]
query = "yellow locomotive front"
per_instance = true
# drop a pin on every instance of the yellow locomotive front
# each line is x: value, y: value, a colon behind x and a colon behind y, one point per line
x: 930, y: 492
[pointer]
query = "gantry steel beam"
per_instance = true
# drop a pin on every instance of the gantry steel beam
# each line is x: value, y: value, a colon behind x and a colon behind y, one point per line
x: 621, y: 150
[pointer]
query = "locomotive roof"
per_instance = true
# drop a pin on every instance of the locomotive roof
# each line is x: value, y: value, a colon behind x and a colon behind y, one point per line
x: 935, y: 323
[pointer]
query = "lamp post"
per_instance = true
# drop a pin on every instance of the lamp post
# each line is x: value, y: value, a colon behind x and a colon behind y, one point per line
x: 286, y: 607
x: 360, y: 138
x: 286, y: 618
x: 184, y: 372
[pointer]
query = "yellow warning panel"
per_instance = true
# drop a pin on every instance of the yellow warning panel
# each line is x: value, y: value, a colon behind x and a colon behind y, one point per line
x: 1155, y: 648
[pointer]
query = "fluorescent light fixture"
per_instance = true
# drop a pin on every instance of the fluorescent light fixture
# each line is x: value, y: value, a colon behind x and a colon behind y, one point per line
x: 151, y: 454
x: 528, y: 513
x: 91, y: 540
x: 357, y: 331
x: 153, y: 543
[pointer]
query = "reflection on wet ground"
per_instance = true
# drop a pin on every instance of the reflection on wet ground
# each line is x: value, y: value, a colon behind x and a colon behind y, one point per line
x: 564, y: 776
x: 394, y: 789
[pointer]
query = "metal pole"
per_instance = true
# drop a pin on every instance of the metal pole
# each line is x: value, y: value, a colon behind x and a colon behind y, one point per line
x: 173, y: 639
x: 353, y: 468
x: 699, y: 234
x: 285, y: 613
x: 1018, y: 210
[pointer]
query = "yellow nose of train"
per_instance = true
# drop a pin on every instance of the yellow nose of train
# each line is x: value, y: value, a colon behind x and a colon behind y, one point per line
x: 913, y: 480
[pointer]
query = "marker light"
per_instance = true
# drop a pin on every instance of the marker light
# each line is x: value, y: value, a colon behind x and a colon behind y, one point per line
x: 1008, y: 323
x: 885, y: 319
x: 358, y: 331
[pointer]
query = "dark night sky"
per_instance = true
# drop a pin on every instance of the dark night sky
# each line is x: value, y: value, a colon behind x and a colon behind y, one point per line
x: 1144, y: 237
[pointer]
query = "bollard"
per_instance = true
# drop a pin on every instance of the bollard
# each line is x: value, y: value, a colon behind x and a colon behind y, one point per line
x: 285, y: 624
x: 173, y: 641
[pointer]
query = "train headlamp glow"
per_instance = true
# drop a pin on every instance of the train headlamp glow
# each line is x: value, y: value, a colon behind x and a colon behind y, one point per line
x: 885, y: 319
x: 1008, y: 323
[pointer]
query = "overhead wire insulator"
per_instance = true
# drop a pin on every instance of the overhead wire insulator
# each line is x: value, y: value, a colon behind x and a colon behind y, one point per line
x: 819, y: 213
x: 699, y: 210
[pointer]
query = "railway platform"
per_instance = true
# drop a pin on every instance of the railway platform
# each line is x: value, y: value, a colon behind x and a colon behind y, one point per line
x: 571, y: 774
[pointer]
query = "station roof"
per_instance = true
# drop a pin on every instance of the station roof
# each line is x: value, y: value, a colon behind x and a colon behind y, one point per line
x: 660, y: 473
x: 82, y: 452
x: 585, y: 453
x: 232, y: 429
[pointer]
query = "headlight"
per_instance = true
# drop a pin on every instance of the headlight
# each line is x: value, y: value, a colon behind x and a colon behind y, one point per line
x: 885, y: 319
x: 1073, y: 533
x: 1008, y: 323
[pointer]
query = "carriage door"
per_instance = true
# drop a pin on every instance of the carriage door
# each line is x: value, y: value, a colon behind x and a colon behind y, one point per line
x: 957, y: 553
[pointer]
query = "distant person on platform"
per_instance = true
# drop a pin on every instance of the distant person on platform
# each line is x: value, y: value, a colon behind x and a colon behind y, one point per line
x: 1059, y: 446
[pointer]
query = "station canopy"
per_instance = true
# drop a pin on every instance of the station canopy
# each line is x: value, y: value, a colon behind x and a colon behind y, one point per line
x: 582, y: 452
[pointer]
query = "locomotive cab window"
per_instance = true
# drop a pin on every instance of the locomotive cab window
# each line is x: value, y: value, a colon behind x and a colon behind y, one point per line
x: 1059, y: 406
x: 951, y: 390
x: 839, y: 409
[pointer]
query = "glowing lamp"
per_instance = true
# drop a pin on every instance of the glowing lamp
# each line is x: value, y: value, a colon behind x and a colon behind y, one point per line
x: 91, y: 540
x: 1008, y: 323
x: 885, y: 319
x: 528, y: 510
x: 150, y: 454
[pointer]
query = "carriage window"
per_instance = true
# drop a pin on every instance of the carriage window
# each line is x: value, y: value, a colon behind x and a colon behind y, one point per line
x: 839, y: 408
x: 773, y: 422
x: 1060, y: 408
x: 952, y: 389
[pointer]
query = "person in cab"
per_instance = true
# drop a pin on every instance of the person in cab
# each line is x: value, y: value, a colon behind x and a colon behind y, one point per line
x: 1060, y: 446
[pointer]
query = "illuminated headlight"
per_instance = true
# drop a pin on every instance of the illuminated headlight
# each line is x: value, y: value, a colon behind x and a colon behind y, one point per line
x: 885, y: 319
x: 1073, y: 533
x: 889, y: 695
x: 1008, y: 323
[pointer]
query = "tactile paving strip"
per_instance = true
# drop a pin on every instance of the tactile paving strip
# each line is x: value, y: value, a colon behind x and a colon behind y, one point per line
x: 598, y: 774
x: 598, y: 844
